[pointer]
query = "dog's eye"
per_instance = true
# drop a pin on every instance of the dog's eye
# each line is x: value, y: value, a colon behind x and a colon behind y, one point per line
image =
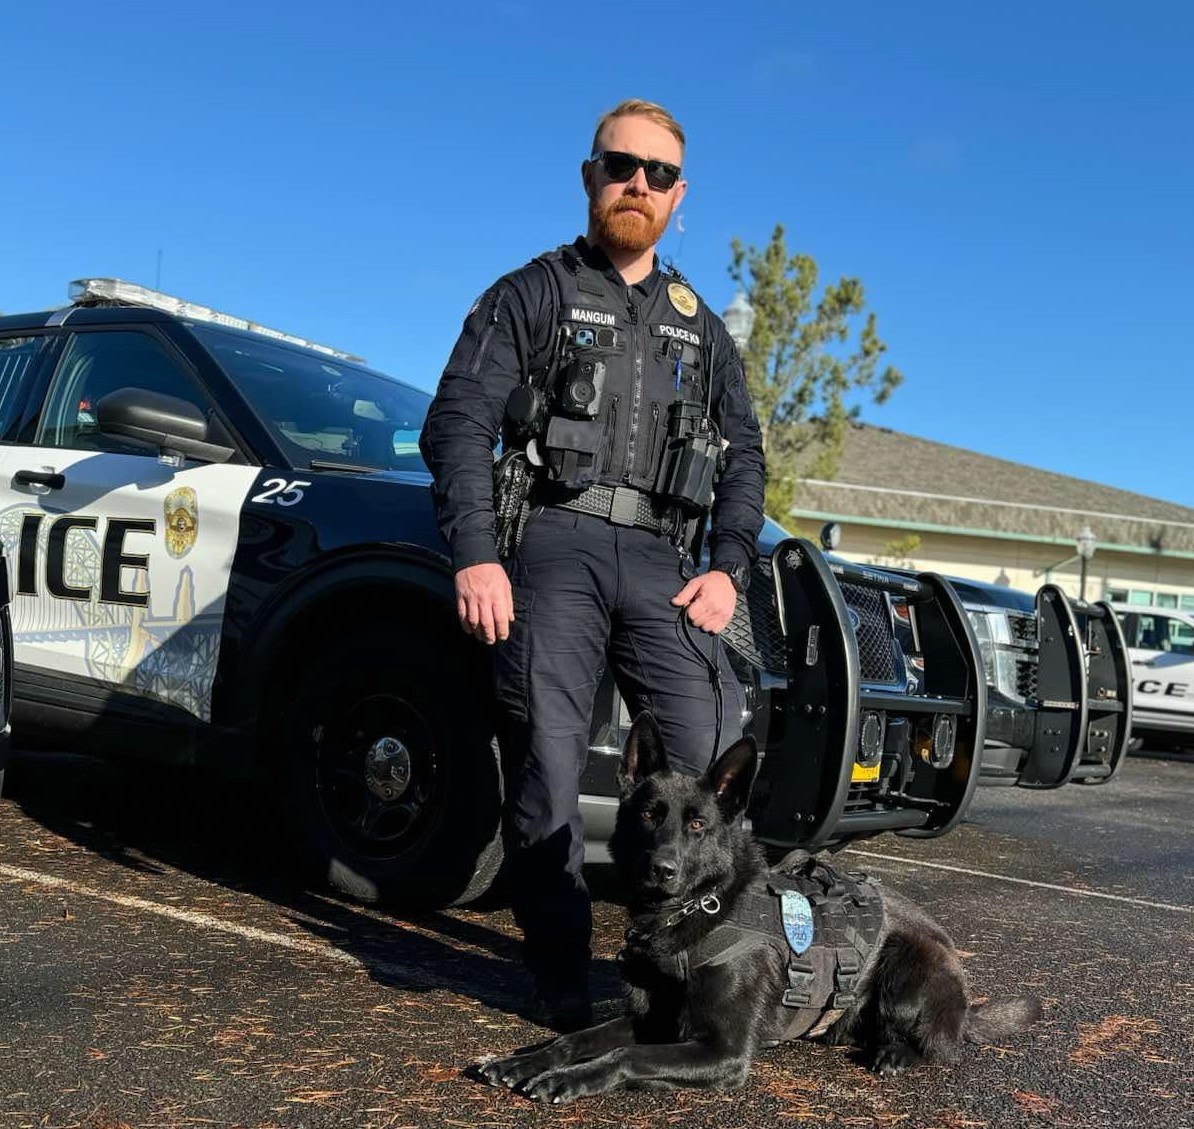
x: 697, y: 824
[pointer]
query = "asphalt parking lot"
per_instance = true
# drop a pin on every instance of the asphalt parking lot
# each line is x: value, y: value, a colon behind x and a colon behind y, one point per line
x: 157, y: 969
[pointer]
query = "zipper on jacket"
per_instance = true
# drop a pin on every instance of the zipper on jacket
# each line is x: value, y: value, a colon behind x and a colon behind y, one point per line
x: 653, y: 449
x: 612, y: 424
x: 628, y: 474
x: 483, y: 347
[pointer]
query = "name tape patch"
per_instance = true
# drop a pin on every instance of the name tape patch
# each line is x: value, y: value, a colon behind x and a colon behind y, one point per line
x: 591, y: 317
x: 677, y: 333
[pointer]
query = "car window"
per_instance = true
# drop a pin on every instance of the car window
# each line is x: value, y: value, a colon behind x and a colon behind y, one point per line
x: 17, y: 355
x: 322, y: 408
x: 95, y: 364
x: 1181, y: 637
x: 1150, y: 633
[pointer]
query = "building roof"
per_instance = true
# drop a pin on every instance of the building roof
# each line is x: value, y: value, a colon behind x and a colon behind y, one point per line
x: 900, y: 479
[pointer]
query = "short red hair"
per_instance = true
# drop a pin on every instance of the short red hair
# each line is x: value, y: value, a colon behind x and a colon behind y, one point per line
x: 638, y: 107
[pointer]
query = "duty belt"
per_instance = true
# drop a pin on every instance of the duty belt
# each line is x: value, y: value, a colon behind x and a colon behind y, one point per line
x: 619, y: 505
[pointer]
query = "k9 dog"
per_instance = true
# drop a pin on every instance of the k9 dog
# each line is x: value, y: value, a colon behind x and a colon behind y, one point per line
x: 723, y: 957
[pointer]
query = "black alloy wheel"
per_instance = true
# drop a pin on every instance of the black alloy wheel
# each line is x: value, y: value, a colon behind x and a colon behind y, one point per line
x: 390, y: 780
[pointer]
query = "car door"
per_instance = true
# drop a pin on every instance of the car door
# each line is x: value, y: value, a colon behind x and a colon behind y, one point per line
x: 118, y: 561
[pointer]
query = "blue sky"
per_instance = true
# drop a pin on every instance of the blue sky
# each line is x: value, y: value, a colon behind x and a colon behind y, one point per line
x: 1013, y: 182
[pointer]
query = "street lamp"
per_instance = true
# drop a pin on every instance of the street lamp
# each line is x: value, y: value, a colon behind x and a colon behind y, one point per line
x: 739, y: 317
x: 1086, y: 550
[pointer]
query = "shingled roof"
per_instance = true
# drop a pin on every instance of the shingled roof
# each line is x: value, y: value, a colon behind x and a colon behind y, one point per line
x: 889, y: 476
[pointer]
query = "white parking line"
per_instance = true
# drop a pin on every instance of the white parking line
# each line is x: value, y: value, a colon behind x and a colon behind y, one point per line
x: 1078, y: 893
x: 202, y: 920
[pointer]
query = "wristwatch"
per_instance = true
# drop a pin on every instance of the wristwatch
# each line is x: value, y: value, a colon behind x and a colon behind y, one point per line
x: 739, y: 575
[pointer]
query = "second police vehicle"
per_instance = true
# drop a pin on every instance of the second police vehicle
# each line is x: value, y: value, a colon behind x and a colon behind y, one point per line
x: 222, y: 549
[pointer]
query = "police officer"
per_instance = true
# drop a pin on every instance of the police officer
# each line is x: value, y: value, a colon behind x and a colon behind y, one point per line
x: 626, y: 397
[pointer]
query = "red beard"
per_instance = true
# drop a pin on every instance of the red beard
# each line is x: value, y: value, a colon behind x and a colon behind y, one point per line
x: 630, y: 223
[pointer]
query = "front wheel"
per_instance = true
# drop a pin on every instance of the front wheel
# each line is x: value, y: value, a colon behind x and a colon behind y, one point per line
x: 389, y: 778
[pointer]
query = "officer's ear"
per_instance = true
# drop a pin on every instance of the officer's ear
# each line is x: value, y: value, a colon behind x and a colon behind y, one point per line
x: 733, y: 774
x: 586, y: 174
x: 643, y: 755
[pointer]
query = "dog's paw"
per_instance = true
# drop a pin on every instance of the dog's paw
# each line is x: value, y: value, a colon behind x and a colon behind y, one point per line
x: 894, y: 1058
x: 558, y: 1087
x: 509, y: 1072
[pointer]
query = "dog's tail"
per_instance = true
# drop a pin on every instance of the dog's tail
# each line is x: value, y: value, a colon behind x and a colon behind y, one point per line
x: 994, y: 1021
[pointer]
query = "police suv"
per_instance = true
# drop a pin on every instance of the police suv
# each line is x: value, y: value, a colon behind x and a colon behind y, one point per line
x: 1161, y: 646
x: 222, y: 549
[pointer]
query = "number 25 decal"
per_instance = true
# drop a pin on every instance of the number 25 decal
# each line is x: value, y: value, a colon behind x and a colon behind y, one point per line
x: 280, y: 491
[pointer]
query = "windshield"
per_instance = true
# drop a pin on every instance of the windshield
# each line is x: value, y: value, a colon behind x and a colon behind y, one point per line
x: 319, y: 409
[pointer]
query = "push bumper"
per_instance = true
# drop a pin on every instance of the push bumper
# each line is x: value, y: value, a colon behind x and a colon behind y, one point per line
x: 1083, y: 705
x: 851, y: 755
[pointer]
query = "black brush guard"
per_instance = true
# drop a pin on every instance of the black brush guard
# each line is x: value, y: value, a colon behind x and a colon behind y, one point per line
x: 813, y: 791
x: 1083, y: 706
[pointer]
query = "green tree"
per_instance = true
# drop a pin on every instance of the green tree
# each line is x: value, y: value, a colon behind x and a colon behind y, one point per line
x: 803, y: 370
x: 898, y: 552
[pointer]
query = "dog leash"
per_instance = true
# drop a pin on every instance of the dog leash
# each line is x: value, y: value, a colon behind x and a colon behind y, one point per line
x: 709, y: 903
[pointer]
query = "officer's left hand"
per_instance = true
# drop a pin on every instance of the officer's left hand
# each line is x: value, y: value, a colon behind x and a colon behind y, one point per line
x: 709, y: 599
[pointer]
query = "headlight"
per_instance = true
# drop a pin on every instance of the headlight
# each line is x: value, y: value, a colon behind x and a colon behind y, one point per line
x: 996, y: 644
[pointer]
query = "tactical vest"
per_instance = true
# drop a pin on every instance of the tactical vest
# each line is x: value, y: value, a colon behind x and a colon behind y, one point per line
x: 824, y: 923
x: 654, y: 351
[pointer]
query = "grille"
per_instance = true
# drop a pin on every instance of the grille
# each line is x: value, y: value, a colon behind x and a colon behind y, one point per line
x: 755, y: 633
x: 1023, y: 629
x: 754, y: 630
x: 873, y: 632
x: 1026, y: 678
x: 862, y: 797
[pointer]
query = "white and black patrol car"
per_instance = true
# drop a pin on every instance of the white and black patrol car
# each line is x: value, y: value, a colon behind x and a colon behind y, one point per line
x: 1161, y: 646
x: 222, y: 549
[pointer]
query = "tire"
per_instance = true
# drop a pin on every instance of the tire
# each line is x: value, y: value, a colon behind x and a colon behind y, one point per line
x: 390, y: 779
x: 1135, y: 744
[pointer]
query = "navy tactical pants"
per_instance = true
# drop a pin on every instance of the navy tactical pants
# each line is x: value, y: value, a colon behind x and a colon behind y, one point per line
x: 587, y: 592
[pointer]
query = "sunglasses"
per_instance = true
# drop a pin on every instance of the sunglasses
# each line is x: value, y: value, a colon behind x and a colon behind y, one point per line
x: 620, y: 167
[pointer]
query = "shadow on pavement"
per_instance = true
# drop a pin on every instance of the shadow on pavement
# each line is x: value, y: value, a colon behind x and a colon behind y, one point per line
x: 151, y: 819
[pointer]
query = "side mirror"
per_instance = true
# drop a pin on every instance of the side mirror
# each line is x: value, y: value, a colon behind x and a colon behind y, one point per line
x: 176, y: 428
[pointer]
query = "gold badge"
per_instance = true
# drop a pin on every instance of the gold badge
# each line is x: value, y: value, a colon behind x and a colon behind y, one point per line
x: 682, y: 298
x: 182, y: 521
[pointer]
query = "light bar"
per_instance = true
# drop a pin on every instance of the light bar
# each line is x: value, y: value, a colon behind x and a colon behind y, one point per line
x: 98, y: 291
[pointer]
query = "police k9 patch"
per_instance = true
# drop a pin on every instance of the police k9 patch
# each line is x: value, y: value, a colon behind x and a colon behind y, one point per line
x: 798, y: 920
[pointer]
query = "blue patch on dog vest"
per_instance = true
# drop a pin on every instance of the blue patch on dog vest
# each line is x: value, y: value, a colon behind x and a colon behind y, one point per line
x: 798, y: 920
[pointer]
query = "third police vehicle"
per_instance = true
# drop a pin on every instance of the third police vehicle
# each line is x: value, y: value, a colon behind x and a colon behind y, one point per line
x: 1161, y: 646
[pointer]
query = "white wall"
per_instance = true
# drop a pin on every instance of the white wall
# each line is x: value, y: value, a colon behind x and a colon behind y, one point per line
x: 1024, y: 564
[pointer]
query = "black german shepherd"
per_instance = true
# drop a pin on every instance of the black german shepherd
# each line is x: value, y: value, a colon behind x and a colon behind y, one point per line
x: 685, y: 859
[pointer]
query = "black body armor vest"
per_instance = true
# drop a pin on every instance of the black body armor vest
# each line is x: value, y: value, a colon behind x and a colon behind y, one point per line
x: 839, y: 924
x: 622, y: 360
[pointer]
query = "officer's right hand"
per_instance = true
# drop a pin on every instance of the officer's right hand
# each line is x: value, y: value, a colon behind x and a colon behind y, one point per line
x: 484, y: 602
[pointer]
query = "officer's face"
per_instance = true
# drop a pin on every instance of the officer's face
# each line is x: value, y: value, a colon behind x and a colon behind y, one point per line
x: 631, y: 216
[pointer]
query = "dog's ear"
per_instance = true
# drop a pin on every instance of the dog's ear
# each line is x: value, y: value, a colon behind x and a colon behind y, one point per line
x: 732, y: 775
x: 643, y: 754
